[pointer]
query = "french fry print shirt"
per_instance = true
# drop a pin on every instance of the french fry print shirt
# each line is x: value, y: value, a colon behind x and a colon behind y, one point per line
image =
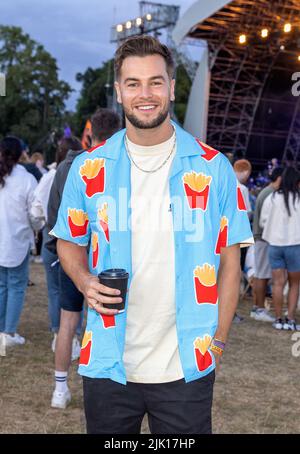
x: 96, y: 213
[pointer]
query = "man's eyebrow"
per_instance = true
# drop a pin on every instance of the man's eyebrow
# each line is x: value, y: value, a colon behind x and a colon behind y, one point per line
x: 133, y: 79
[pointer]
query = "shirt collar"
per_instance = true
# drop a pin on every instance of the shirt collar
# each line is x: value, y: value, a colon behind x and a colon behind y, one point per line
x: 186, y: 144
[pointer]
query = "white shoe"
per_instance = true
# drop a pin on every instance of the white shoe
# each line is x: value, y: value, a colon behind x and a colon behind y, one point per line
x: 38, y: 259
x: 60, y: 399
x: 262, y: 315
x: 11, y: 341
x: 53, y: 345
x: 253, y: 311
x: 76, y: 348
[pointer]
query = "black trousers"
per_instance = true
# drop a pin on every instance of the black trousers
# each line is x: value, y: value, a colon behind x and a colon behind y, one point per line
x: 173, y: 408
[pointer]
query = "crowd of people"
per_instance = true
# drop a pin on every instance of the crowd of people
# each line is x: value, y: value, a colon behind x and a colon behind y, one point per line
x: 30, y: 199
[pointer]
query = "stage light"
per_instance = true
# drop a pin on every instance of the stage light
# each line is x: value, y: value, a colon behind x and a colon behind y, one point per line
x: 298, y: 57
x: 138, y: 21
x: 128, y: 24
x: 149, y: 16
x: 287, y: 28
x: 282, y: 47
x: 242, y: 39
x: 119, y: 28
x: 264, y: 33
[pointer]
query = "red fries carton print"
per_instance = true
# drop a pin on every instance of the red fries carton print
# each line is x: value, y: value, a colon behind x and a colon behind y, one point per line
x: 103, y: 219
x: 240, y: 200
x: 78, y: 222
x: 205, y: 281
x: 223, y: 235
x: 108, y: 321
x: 93, y: 174
x: 85, y: 353
x: 210, y: 153
x: 95, y: 249
x: 202, y: 354
x: 196, y: 186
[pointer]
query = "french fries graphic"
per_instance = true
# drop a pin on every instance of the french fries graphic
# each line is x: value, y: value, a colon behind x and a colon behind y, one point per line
x: 210, y: 153
x: 196, y: 187
x: 202, y: 354
x: 205, y: 282
x: 109, y: 321
x: 78, y: 222
x: 93, y: 174
x: 223, y: 235
x: 240, y: 200
x: 85, y: 353
x: 103, y: 219
x: 95, y: 249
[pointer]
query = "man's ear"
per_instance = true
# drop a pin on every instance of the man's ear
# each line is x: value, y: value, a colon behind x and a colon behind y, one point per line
x: 118, y: 91
x: 172, y: 90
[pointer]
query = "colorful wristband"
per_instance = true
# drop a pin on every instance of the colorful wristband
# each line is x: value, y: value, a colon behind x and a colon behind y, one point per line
x: 219, y: 343
x: 216, y: 349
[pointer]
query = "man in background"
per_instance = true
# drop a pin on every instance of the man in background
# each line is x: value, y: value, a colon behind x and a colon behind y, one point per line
x: 104, y: 123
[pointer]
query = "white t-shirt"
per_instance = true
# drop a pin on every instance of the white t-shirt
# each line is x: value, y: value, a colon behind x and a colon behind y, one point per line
x: 16, y: 234
x: 280, y: 229
x: 151, y: 346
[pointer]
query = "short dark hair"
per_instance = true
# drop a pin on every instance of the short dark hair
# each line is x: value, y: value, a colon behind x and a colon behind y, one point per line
x: 141, y: 46
x: 66, y: 144
x: 105, y: 122
x: 277, y: 172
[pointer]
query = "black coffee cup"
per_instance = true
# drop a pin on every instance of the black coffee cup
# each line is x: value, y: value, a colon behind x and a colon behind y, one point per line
x: 115, y: 278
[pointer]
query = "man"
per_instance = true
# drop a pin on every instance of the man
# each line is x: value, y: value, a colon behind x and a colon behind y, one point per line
x: 164, y: 195
x: 104, y: 123
x: 263, y: 270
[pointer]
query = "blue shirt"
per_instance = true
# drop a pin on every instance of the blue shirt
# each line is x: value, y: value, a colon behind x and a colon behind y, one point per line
x: 208, y: 213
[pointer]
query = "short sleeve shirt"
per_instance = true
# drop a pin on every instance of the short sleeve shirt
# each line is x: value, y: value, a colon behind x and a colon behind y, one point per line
x: 209, y: 213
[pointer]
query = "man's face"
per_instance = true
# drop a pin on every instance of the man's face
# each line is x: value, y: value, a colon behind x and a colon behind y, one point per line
x: 145, y: 90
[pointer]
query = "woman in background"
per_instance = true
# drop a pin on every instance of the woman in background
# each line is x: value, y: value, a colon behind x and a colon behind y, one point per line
x: 16, y: 237
x: 280, y: 219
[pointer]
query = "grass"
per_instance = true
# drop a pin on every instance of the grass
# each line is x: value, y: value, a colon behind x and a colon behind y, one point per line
x: 257, y: 389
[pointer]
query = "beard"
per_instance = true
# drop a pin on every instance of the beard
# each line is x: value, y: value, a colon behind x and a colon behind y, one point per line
x: 140, y: 124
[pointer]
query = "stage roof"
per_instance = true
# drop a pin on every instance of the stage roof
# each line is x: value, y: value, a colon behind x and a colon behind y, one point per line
x: 242, y: 74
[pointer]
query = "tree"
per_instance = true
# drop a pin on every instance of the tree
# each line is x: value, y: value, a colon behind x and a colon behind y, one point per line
x: 35, y: 98
x: 97, y: 90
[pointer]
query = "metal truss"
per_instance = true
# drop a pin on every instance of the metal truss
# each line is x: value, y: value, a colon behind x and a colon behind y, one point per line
x: 153, y: 18
x: 239, y: 72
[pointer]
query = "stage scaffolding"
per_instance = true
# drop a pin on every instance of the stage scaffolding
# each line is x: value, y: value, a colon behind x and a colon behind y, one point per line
x: 239, y: 72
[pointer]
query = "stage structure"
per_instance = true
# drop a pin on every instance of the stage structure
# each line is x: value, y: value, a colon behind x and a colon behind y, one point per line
x: 245, y: 43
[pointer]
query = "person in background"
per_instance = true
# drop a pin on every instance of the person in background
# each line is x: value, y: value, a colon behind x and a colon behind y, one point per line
x: 242, y: 169
x: 104, y: 123
x: 39, y: 210
x: 280, y: 220
x: 38, y: 159
x: 263, y: 271
x: 27, y: 164
x: 16, y: 237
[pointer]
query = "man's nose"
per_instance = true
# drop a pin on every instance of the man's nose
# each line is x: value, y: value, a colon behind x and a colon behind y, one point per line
x: 146, y: 91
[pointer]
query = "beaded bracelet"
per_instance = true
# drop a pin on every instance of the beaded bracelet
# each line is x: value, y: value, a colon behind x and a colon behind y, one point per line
x: 217, y: 346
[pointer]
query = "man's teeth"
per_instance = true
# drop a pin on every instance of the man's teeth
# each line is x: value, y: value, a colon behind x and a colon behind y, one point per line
x: 146, y: 107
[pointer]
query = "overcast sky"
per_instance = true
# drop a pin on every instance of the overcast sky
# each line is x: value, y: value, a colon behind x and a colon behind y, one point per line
x: 75, y: 32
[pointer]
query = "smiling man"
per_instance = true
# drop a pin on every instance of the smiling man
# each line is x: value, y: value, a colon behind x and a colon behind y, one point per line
x: 174, y: 219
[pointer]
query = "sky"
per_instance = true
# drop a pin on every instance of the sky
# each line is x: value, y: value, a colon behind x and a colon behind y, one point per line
x: 75, y: 32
